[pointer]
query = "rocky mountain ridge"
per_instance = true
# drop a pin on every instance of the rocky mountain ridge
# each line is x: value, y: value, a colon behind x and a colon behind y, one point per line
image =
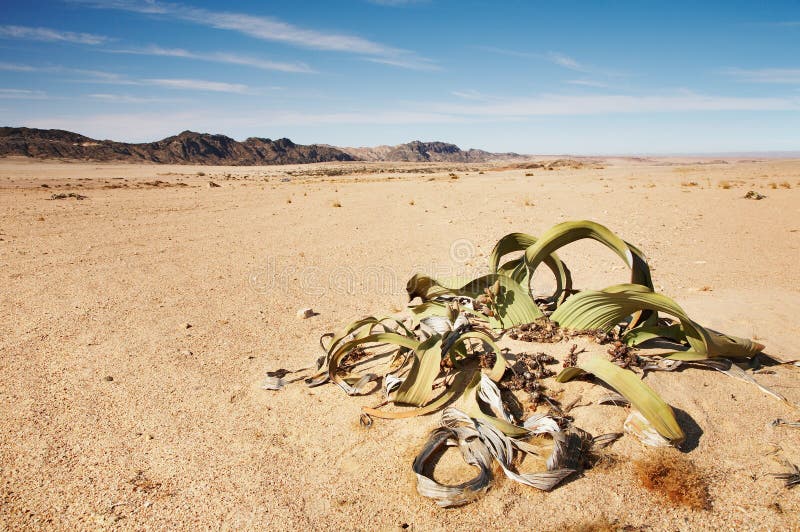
x: 418, y: 151
x: 190, y: 147
x: 185, y: 148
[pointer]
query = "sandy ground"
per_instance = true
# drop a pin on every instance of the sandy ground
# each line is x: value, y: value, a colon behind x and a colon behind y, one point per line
x: 114, y: 414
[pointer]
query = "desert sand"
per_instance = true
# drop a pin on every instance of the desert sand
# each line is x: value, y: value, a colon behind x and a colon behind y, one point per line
x: 137, y: 325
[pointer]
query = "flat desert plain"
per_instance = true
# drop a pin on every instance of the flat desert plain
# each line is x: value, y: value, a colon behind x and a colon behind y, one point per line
x: 137, y: 325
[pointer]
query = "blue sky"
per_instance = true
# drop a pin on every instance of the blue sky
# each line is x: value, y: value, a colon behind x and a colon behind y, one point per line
x: 525, y: 76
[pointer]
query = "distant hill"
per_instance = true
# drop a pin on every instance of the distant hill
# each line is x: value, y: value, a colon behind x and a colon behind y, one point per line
x: 203, y: 148
x: 418, y: 151
x: 186, y: 148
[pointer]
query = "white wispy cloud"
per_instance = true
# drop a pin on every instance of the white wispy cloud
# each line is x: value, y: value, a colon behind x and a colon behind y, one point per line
x: 417, y: 63
x: 557, y: 58
x: 97, y: 76
x: 374, y: 117
x: 588, y: 83
x: 507, y: 110
x: 50, y: 35
x: 200, y: 85
x: 127, y: 98
x: 134, y: 127
x: 555, y: 104
x: 269, y: 29
x: 565, y: 61
x: 511, y: 53
x: 766, y: 75
x: 148, y: 126
x: 153, y: 125
x: 14, y: 67
x: 470, y: 94
x: 113, y: 78
x: 396, y: 3
x: 221, y: 57
x: 22, y: 94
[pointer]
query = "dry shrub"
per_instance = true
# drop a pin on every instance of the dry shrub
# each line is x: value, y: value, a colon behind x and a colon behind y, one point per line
x: 598, y: 525
x: 141, y: 483
x: 674, y: 477
x: 786, y: 184
x: 725, y: 184
x: 689, y: 184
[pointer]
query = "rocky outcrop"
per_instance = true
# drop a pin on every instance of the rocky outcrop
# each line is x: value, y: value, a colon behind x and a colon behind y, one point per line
x: 202, y: 148
x: 186, y: 148
x: 418, y: 151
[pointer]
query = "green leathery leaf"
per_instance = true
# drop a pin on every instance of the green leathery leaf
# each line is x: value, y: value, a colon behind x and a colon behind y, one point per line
x: 358, y: 329
x: 630, y: 386
x: 429, y: 308
x: 643, y: 333
x: 508, y: 267
x: 417, y: 387
x: 513, y: 304
x: 519, y: 242
x: 455, y: 390
x: 500, y: 365
x: 567, y: 232
x: 361, y: 328
x: 471, y: 407
x: 342, y: 350
x: 604, y: 309
x: 569, y: 373
x: 640, y: 271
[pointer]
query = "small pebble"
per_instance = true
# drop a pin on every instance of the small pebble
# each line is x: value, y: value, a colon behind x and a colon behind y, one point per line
x: 186, y: 326
x: 305, y: 313
x: 108, y: 378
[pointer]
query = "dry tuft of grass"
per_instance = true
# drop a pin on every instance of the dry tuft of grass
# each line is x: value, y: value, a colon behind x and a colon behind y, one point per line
x: 453, y: 176
x: 674, y: 477
x: 786, y: 184
x: 689, y: 184
x: 412, y: 203
x: 725, y: 184
x: 597, y: 525
x: 529, y: 175
x: 141, y: 483
x: 337, y: 204
x: 773, y: 186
